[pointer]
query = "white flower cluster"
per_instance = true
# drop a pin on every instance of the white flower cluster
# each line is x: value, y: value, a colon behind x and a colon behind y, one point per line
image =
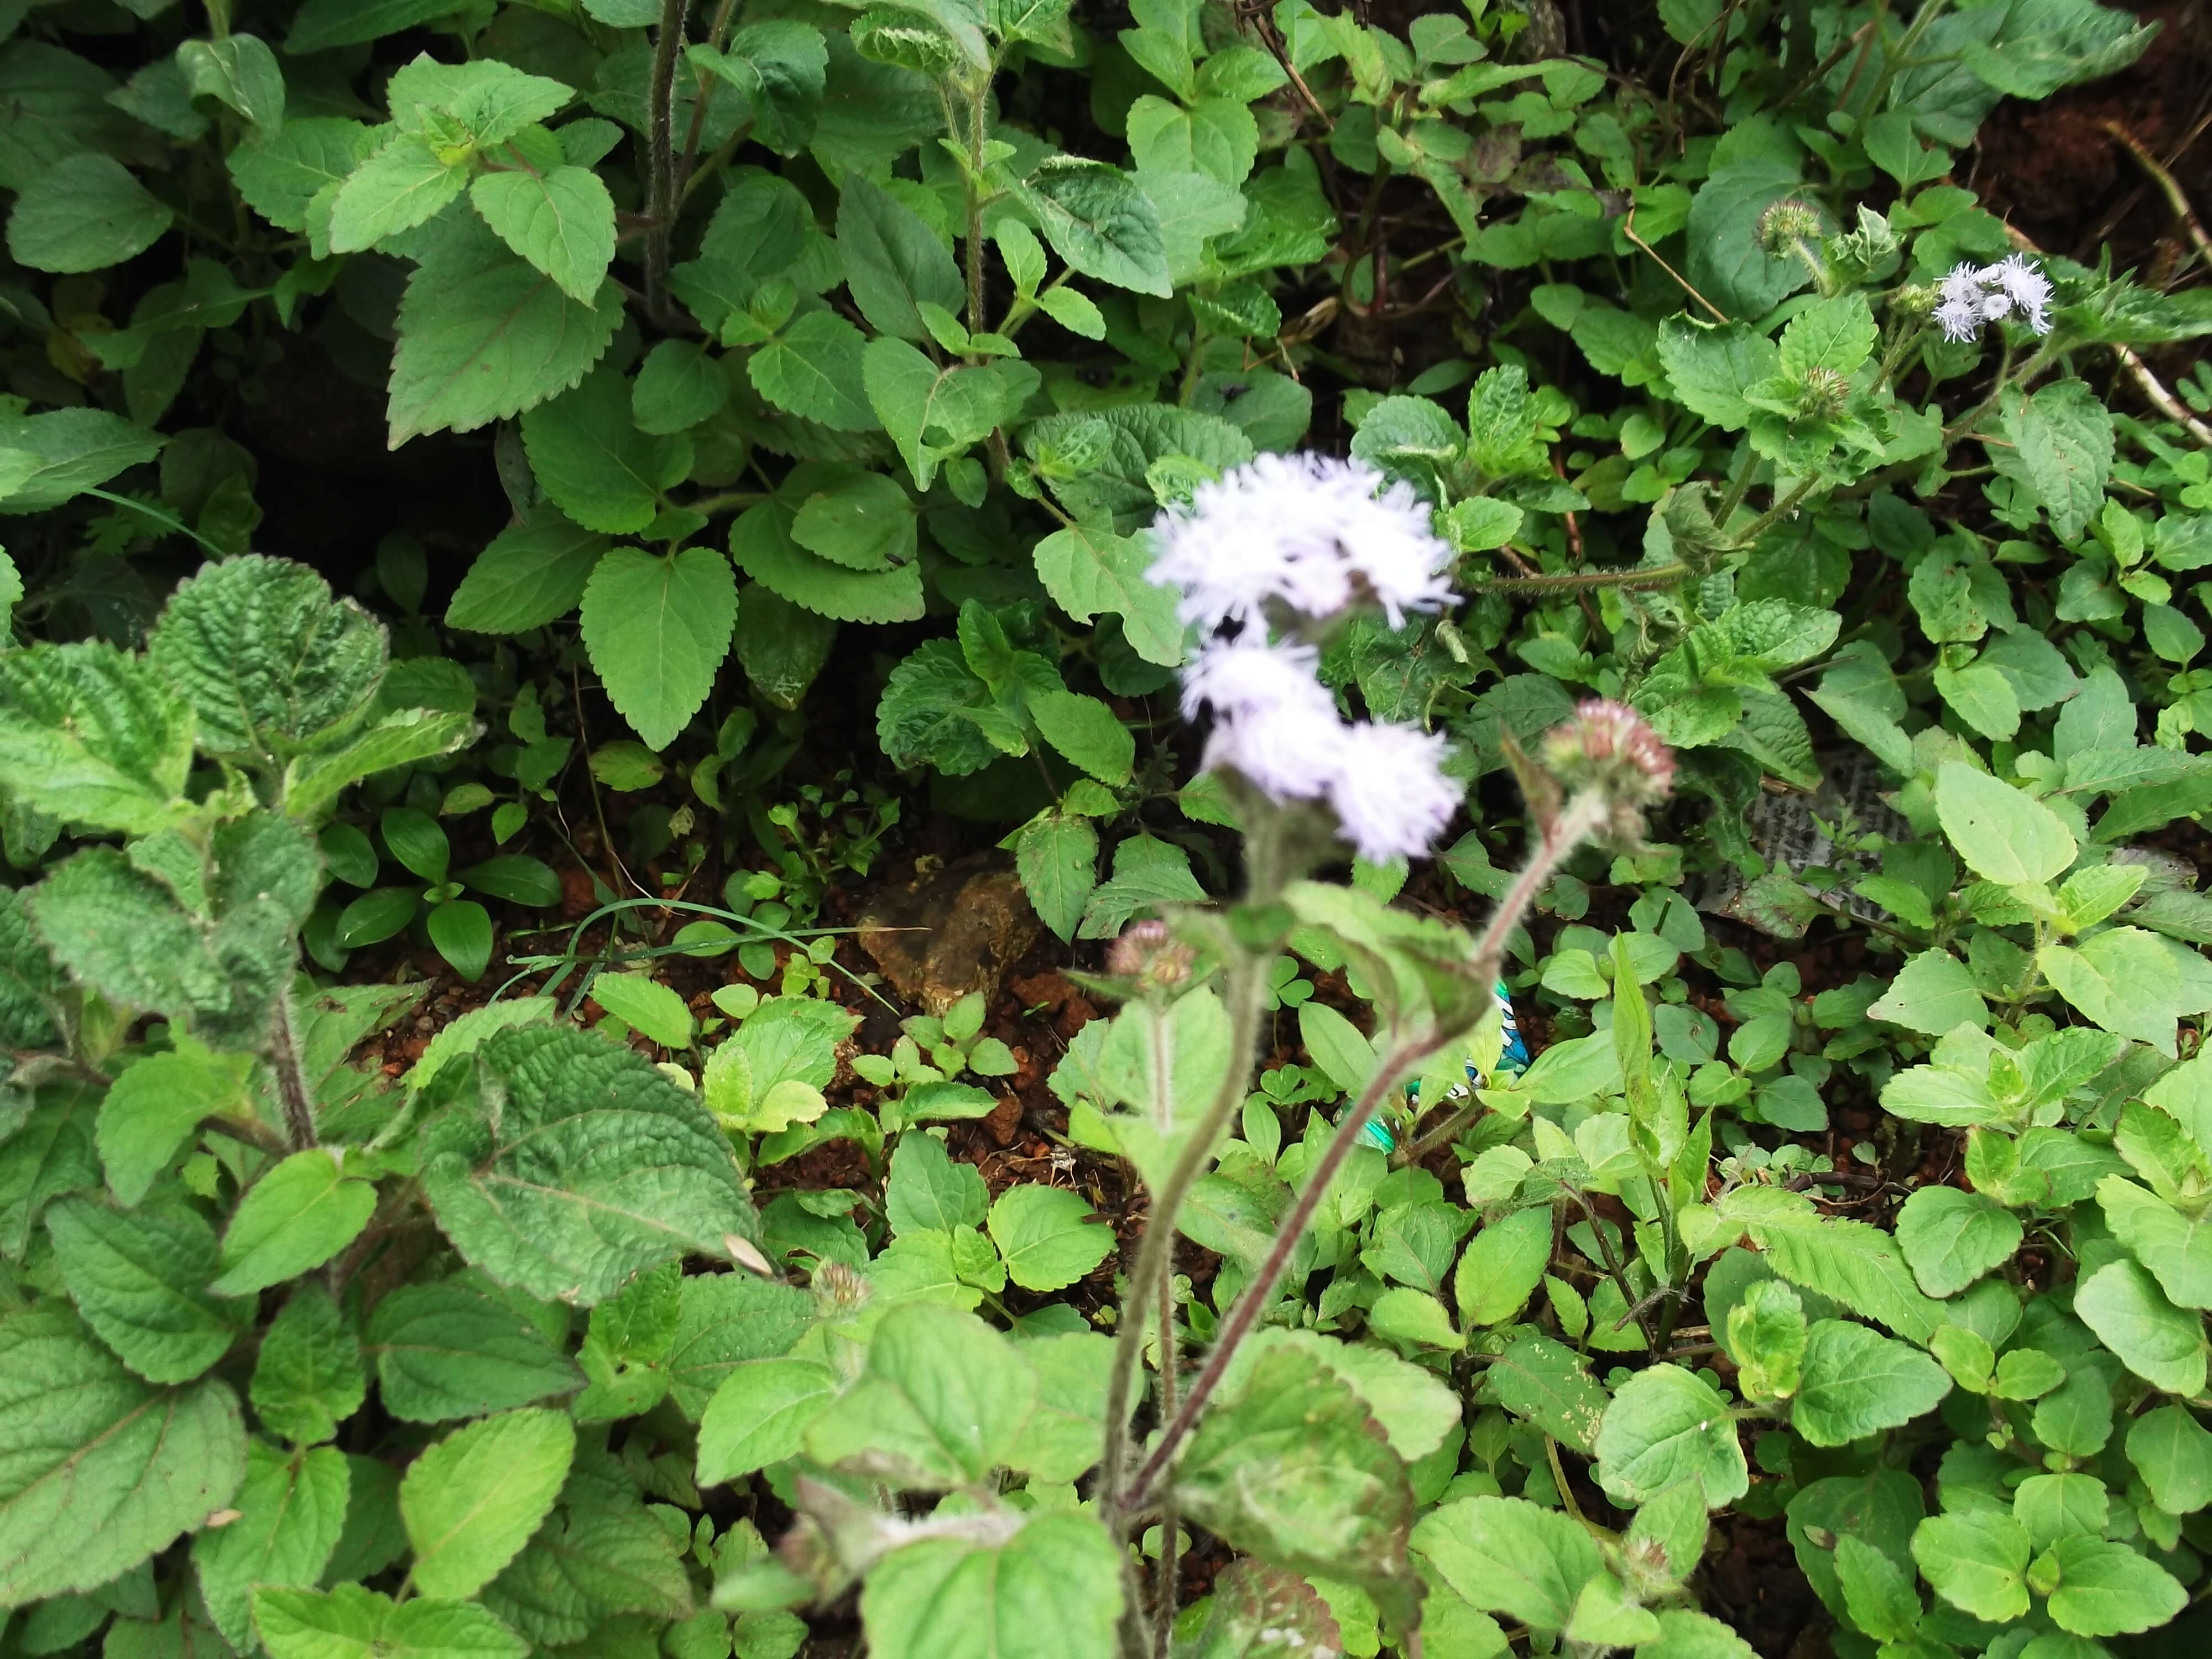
x: 1309, y: 535
x: 1974, y: 294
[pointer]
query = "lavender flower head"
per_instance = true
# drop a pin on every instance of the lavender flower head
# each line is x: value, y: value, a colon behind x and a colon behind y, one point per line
x: 1306, y: 531
x: 1974, y: 294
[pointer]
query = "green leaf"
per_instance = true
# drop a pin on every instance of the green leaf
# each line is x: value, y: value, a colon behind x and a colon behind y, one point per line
x: 1087, y: 731
x: 1057, y: 860
x: 1952, y: 1238
x: 645, y: 1005
x: 2059, y: 444
x: 240, y: 72
x: 92, y: 736
x: 136, y: 1277
x: 783, y: 646
x: 657, y: 629
x: 292, y: 1509
x: 590, y: 458
x: 1727, y: 263
x: 527, y: 576
x: 1415, y: 1410
x: 760, y: 1415
x: 472, y: 1500
x: 1218, y: 136
x: 726, y: 1319
x: 84, y: 214
x: 893, y: 260
x: 1549, y: 1384
x: 2176, y: 1249
x: 403, y: 185
x: 1879, y: 1592
x: 1088, y: 570
x: 296, y: 1217
x: 1835, y: 334
x: 279, y: 174
x: 460, y: 929
x: 813, y: 369
x: 2130, y: 980
x: 1855, y: 1381
x: 1976, y: 1561
x: 1508, y: 1555
x: 1710, y: 364
x: 771, y: 1070
x: 1101, y: 222
x: 76, y: 450
x: 935, y: 712
x: 484, y: 335
x: 677, y: 386
x: 599, y: 1169
x: 2108, y: 1589
x: 941, y: 1401
x: 1850, y: 1261
x: 563, y: 221
x: 928, y: 1191
x: 932, y: 413
x: 2159, y: 1342
x: 156, y: 1105
x: 451, y: 1350
x: 1101, y: 465
x: 760, y: 541
x: 1664, y: 1425
x: 1293, y: 1470
x: 308, y: 1377
x: 1047, y: 1236
x: 1052, y: 1591
x: 269, y: 661
x: 2001, y: 834
x: 861, y: 521
x: 588, y: 1564
x: 123, y: 930
x: 1504, y: 1264
x: 109, y: 1469
x: 348, y: 1622
x: 321, y: 24
x: 1933, y: 992
x: 2172, y: 1453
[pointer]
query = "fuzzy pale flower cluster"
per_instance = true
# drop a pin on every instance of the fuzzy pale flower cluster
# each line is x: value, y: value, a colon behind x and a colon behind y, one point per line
x: 1291, y: 538
x: 1974, y: 294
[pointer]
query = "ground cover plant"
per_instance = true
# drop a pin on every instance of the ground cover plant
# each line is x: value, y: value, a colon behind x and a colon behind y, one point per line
x: 763, y: 765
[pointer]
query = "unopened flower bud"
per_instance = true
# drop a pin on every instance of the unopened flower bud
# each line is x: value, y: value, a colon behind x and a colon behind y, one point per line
x: 838, y: 1289
x: 1609, y: 749
x: 1915, y: 299
x: 1788, y: 222
x: 1148, y: 953
x: 1822, y: 393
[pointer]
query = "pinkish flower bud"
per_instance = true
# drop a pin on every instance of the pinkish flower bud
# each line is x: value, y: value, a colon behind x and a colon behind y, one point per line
x: 1148, y: 953
x: 1608, y: 747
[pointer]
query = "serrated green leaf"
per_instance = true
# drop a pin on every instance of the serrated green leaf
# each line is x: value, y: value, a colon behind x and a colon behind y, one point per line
x: 84, y: 214
x: 348, y: 1622
x: 813, y: 369
x: 1047, y: 1236
x: 2159, y: 1342
x: 600, y: 1168
x: 1836, y: 334
x: 137, y: 1278
x: 1709, y: 365
x: 760, y: 1414
x: 1976, y: 1561
x: 271, y: 663
x: 1088, y: 570
x: 941, y: 1401
x: 403, y: 185
x: 450, y: 1350
x: 91, y: 735
x: 2001, y: 834
x: 111, y: 1469
x: 761, y: 543
x: 1086, y: 732
x: 292, y: 1507
x: 563, y: 221
x: 294, y: 1218
x: 1101, y: 222
x: 1666, y: 1426
x: 239, y: 71
x: 309, y: 1377
x: 861, y: 521
x: 590, y: 1564
x: 1952, y: 1238
x: 471, y: 1501
x: 893, y: 260
x: 592, y: 460
x: 2059, y: 444
x: 657, y: 630
x: 1053, y: 1591
x: 934, y: 413
x: 1509, y: 1555
x: 1856, y: 1381
x: 527, y: 576
x: 1057, y: 860
x: 677, y: 386
x: 645, y: 1005
x: 483, y: 335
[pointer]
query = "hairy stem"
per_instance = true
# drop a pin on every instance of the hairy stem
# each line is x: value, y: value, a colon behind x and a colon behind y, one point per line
x: 1657, y: 576
x: 716, y: 33
x: 1782, y: 510
x: 1244, y: 988
x: 1575, y: 822
x: 660, y: 202
x: 972, y: 179
x: 1163, y: 1593
x: 291, y: 1082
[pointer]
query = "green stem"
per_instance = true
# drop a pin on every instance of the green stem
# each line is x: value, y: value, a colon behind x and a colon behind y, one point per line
x: 972, y: 181
x: 1759, y: 525
x: 1576, y: 822
x: 1656, y: 576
